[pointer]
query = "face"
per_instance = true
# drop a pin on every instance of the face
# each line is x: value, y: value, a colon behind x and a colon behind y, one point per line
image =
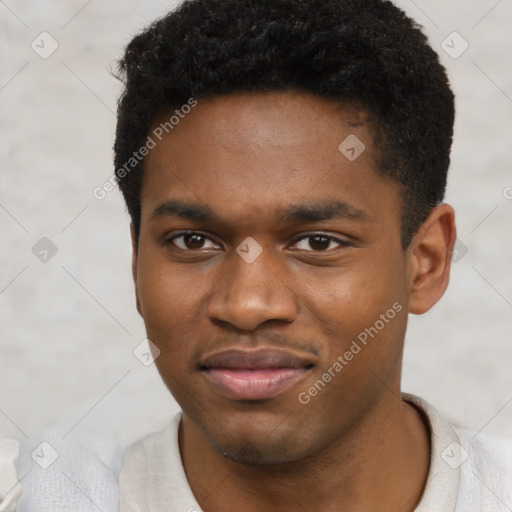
x: 270, y: 274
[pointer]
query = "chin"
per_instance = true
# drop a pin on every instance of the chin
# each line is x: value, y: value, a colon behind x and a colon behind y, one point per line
x: 255, y: 454
x: 258, y: 447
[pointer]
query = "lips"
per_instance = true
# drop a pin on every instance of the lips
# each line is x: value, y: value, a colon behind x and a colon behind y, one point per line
x: 254, y: 375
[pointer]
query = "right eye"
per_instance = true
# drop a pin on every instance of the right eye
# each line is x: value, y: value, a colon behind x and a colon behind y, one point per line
x: 191, y: 241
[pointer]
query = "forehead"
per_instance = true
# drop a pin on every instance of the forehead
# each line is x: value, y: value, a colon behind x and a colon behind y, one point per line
x: 259, y: 152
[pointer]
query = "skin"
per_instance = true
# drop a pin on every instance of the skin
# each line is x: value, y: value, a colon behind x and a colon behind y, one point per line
x: 248, y: 158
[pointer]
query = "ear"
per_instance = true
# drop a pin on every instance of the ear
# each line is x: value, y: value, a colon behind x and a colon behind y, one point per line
x: 134, y: 266
x: 430, y: 255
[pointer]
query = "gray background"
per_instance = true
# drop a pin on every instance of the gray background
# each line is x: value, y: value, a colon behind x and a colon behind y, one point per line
x: 69, y: 325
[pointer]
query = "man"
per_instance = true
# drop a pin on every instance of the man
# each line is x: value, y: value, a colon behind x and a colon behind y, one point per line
x: 284, y: 165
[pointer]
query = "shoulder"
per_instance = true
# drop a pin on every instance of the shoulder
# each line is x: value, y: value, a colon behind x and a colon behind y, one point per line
x: 471, y: 469
x: 70, y: 472
x: 486, y: 472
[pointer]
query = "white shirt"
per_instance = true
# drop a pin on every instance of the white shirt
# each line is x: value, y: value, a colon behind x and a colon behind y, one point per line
x: 63, y: 473
x: 467, y: 474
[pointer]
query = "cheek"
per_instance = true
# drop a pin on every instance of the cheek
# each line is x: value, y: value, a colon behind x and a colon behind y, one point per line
x: 171, y: 300
x: 350, y: 298
x: 362, y: 313
x: 362, y: 358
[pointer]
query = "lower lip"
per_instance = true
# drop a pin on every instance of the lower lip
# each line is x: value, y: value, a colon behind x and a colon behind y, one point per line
x: 246, y: 384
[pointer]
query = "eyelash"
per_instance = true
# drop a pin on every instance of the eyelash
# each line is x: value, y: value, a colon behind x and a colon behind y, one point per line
x: 342, y: 243
x: 169, y: 241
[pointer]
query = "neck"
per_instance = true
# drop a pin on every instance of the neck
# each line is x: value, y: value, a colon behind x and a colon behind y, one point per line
x: 382, y: 462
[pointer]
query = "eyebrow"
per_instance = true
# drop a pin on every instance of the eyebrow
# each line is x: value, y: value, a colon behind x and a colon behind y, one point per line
x: 184, y: 210
x: 303, y: 212
x: 323, y: 211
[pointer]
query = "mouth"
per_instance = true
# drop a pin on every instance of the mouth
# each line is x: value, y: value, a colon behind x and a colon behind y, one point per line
x: 254, y: 375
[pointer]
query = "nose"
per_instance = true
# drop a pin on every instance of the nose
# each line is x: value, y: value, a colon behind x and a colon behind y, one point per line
x: 251, y: 294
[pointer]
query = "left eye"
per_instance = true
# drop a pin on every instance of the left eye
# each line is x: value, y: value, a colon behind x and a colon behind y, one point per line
x: 192, y: 241
x: 318, y: 242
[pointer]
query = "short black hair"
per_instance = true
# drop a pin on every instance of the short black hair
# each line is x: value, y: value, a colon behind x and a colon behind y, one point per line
x: 366, y: 51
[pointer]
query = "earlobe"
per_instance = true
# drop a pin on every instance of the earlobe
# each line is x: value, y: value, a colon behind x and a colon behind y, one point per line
x: 134, y: 266
x: 430, y: 256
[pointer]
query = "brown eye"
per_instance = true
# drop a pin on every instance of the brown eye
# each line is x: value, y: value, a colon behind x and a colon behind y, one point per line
x: 192, y: 242
x: 319, y: 242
